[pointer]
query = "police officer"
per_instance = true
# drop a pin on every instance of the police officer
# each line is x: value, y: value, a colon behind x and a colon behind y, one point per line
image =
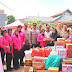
x: 26, y: 31
x: 65, y: 33
x: 39, y: 28
x: 59, y: 28
x: 33, y: 36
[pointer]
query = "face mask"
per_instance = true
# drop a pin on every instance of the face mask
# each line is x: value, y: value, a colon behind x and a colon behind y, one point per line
x: 43, y: 34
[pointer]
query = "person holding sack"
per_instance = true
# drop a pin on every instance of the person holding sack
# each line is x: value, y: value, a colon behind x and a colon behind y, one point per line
x: 41, y: 38
x: 16, y: 49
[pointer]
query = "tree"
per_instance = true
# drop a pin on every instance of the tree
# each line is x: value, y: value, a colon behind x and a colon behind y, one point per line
x: 11, y: 19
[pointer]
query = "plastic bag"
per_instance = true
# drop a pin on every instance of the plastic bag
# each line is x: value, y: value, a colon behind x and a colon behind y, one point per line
x: 43, y: 53
x: 54, y: 52
x: 36, y: 52
x: 48, y: 50
x: 52, y: 61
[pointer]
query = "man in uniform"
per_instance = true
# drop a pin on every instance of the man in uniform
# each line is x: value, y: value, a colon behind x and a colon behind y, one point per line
x: 59, y: 28
x: 33, y: 36
x: 26, y: 31
x: 65, y: 33
x: 39, y: 28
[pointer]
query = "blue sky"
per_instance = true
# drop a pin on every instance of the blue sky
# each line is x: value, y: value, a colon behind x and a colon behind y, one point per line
x: 46, y: 8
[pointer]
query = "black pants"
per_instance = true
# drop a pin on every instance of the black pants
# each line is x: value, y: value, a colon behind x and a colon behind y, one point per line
x: 22, y: 54
x: 16, y: 57
x: 26, y: 47
x: 8, y: 60
x: 50, y: 43
x: 2, y: 54
x: 35, y: 45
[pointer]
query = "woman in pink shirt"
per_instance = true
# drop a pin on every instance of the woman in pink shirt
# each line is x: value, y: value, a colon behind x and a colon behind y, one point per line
x: 4, y: 45
x: 9, y: 51
x: 23, y: 39
x: 41, y: 37
x: 16, y: 49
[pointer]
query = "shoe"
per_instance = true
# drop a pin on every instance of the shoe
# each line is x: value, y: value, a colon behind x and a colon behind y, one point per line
x: 9, y: 69
x: 22, y: 64
x: 18, y: 66
x: 15, y: 68
x: 4, y: 63
x: 5, y: 71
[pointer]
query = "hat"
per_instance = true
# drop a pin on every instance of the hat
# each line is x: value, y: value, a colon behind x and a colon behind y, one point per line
x: 25, y: 24
x: 40, y: 25
x: 34, y: 24
x: 48, y: 26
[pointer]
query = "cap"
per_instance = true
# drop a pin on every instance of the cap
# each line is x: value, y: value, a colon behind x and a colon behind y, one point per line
x: 40, y: 25
x: 25, y: 24
x: 34, y: 24
x: 48, y: 26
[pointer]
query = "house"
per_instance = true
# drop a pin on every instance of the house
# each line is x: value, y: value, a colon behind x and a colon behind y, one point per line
x: 63, y: 18
x: 3, y: 18
x: 42, y: 19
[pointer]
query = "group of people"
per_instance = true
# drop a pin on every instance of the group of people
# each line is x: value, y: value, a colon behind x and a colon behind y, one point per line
x: 14, y: 45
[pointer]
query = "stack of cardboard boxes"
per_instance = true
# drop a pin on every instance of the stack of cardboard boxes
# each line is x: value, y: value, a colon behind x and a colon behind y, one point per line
x: 69, y: 50
x: 67, y: 65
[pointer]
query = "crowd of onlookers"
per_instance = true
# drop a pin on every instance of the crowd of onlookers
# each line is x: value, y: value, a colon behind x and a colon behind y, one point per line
x: 14, y: 45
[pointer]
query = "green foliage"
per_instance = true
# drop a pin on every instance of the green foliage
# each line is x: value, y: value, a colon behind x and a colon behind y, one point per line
x: 11, y: 19
x: 35, y: 21
x: 43, y: 25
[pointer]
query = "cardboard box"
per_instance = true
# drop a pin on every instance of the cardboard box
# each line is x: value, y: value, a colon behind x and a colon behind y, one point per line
x: 60, y: 39
x: 28, y: 69
x: 38, y: 59
x: 69, y: 46
x: 38, y: 66
x: 60, y: 43
x: 41, y: 71
x: 28, y: 62
x: 67, y: 61
x: 68, y: 41
x: 53, y: 69
x: 66, y: 68
x: 62, y: 53
x: 69, y: 50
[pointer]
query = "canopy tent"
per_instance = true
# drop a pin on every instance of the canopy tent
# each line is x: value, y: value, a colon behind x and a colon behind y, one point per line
x: 13, y: 25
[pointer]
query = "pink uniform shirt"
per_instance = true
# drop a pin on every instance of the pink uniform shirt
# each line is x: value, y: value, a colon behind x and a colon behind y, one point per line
x: 10, y: 43
x: 40, y: 39
x: 22, y: 36
x: 4, y: 42
x: 17, y: 42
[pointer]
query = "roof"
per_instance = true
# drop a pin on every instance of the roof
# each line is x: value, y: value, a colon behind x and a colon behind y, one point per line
x: 63, y: 22
x: 61, y: 13
x: 42, y: 19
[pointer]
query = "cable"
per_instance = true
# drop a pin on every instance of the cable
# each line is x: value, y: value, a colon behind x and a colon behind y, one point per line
x: 6, y: 6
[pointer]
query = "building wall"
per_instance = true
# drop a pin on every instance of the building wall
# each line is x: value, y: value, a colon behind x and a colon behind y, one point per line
x: 65, y: 17
x: 2, y: 23
x: 3, y: 19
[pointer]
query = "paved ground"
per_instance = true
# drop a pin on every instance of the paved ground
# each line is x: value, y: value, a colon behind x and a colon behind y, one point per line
x: 21, y: 69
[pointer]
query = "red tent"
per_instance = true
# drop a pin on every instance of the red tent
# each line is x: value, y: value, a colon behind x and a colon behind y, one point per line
x: 13, y: 25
